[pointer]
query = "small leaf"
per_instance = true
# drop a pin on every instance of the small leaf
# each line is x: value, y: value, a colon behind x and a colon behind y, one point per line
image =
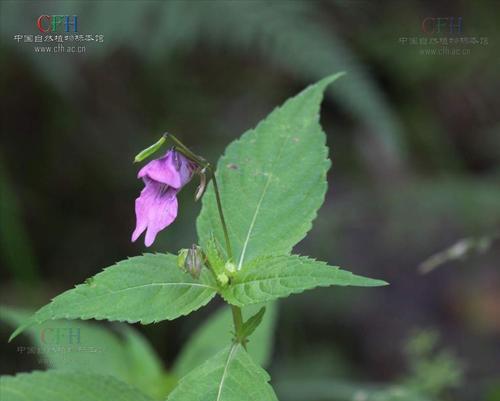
x: 214, y: 255
x: 63, y: 386
x: 231, y: 375
x: 215, y: 334
x: 272, y: 180
x: 267, y: 278
x: 251, y: 324
x: 146, y: 289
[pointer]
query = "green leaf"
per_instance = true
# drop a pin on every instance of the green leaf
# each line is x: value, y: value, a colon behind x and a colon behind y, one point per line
x: 272, y: 180
x: 92, y: 348
x: 144, y: 367
x: 215, y: 334
x: 251, y: 324
x: 231, y: 375
x: 63, y: 386
x: 267, y: 278
x: 101, y: 350
x: 145, y: 289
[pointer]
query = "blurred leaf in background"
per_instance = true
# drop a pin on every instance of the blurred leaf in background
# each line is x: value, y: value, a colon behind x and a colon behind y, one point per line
x: 76, y: 345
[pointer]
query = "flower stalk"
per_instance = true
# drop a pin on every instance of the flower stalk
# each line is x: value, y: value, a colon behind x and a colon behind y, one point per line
x: 205, y: 164
x: 235, y: 310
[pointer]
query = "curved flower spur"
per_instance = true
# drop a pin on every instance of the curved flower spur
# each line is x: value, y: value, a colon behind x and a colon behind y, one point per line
x: 156, y: 207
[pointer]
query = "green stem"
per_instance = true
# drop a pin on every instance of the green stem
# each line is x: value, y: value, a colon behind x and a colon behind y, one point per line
x: 202, y: 162
x: 237, y: 317
x: 186, y: 151
x: 221, y: 215
x: 236, y: 311
x: 238, y: 325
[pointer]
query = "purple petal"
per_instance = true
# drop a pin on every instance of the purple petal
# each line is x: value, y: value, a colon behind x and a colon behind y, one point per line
x: 155, y: 209
x: 172, y: 169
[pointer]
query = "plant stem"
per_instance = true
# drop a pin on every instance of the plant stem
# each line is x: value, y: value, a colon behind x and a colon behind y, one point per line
x: 238, y: 325
x: 185, y: 150
x: 237, y: 317
x: 236, y: 311
x: 221, y: 215
x: 202, y: 162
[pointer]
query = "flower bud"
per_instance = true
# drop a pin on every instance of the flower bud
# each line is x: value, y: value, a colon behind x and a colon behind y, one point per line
x: 194, y: 261
x: 222, y: 279
x: 181, y: 258
x: 230, y: 267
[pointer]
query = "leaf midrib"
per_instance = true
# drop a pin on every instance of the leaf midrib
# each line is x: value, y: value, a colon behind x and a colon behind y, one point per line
x: 145, y: 285
x: 286, y: 277
x: 259, y: 204
x: 224, y: 373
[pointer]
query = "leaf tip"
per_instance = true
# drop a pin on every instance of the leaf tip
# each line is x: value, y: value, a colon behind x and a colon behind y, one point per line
x: 332, y: 78
x: 15, y: 333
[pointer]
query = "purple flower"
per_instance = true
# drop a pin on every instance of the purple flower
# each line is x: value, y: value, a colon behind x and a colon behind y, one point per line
x: 156, y: 207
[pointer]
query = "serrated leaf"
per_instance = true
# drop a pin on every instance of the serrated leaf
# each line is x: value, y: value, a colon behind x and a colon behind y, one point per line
x: 267, y: 278
x: 75, y: 345
x: 215, y: 334
x: 63, y: 386
x: 231, y: 375
x: 272, y: 180
x: 145, y: 289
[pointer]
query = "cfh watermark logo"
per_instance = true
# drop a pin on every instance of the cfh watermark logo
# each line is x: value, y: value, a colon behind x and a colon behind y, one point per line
x: 443, y: 36
x: 57, y: 35
x: 60, y: 335
x: 442, y: 25
x: 57, y: 23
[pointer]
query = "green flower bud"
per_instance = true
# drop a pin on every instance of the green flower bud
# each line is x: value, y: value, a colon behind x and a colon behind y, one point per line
x: 181, y: 258
x: 230, y: 267
x: 222, y: 279
x: 194, y: 261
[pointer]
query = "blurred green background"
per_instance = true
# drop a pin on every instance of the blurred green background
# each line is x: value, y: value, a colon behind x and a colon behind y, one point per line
x: 414, y: 139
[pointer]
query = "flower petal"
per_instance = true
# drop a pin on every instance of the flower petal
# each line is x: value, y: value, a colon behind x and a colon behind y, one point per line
x: 141, y: 209
x: 161, y: 216
x: 155, y: 209
x: 172, y: 169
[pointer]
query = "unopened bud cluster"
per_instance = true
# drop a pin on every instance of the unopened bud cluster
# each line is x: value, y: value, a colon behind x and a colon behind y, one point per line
x: 191, y: 260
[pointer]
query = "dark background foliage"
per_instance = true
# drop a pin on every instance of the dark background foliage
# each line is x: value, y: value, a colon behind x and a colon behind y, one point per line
x: 414, y: 140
